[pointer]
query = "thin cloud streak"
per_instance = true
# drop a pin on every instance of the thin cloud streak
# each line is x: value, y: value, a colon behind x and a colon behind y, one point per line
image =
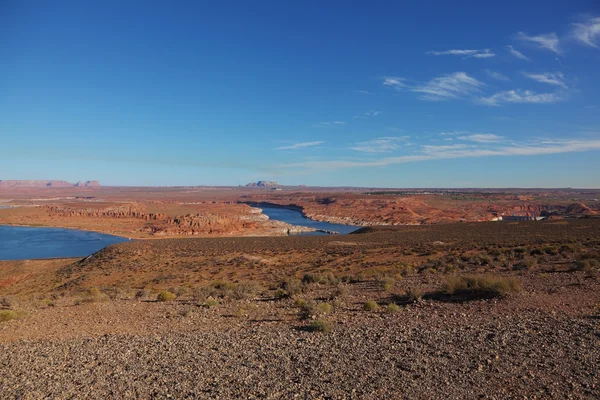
x: 468, y: 53
x: 588, y: 32
x: 300, y: 145
x: 482, y: 138
x: 517, y: 53
x: 497, y: 75
x: 454, y: 152
x: 548, y: 41
x: 550, y: 78
x: 447, y: 87
x: 519, y: 96
x: 380, y: 145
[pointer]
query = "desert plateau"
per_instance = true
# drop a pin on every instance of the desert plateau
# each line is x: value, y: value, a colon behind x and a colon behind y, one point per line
x: 223, y: 303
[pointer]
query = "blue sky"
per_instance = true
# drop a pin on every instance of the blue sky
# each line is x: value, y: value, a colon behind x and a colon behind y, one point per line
x: 432, y: 94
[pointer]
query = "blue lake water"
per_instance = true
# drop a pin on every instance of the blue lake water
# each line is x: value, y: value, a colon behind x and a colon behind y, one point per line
x: 296, y: 218
x: 21, y: 243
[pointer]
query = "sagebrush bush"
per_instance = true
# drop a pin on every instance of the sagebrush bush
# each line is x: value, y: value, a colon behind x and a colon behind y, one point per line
x: 165, y: 295
x: 481, y: 285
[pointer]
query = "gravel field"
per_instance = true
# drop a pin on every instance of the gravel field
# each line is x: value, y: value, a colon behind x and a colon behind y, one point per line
x: 465, y: 352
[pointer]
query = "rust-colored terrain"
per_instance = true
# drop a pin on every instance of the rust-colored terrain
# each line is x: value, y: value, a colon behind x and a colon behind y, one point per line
x: 220, y: 305
x: 228, y: 211
x: 383, y: 313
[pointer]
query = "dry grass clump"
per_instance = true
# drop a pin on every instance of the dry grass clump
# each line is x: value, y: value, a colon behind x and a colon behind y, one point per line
x: 165, y: 295
x: 92, y: 295
x: 387, y: 283
x: 414, y: 294
x: 319, y: 325
x: 7, y: 315
x: 392, y: 308
x: 311, y: 309
x: 481, y: 286
x: 370, y: 305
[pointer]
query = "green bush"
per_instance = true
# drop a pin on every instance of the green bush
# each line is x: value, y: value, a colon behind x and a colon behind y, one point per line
x: 165, y: 295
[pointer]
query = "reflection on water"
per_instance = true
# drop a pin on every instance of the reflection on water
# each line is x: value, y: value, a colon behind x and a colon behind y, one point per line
x: 20, y: 243
x: 294, y: 217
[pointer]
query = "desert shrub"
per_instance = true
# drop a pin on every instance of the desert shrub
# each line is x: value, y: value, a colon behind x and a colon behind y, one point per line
x: 552, y: 250
x: 7, y: 315
x: 483, y: 259
x: 6, y: 302
x: 112, y: 292
x: 589, y: 265
x: 414, y: 294
x: 536, y: 252
x: 243, y: 291
x: 311, y: 309
x: 370, y: 305
x: 328, y: 278
x: 165, y: 295
x: 92, y: 295
x: 392, y: 308
x: 142, y: 294
x: 281, y: 294
x: 528, y: 263
x: 566, y: 249
x: 387, y: 283
x: 481, y: 286
x: 319, y: 325
x: 291, y: 285
x: 323, y: 309
x: 211, y: 303
x: 300, y: 303
x: 519, y: 251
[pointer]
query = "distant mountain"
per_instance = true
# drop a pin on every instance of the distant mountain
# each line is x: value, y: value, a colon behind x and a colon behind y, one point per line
x: 45, y: 184
x: 265, y: 184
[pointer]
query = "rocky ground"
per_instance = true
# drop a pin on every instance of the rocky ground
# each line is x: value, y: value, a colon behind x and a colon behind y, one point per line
x: 239, y: 328
x: 540, y: 343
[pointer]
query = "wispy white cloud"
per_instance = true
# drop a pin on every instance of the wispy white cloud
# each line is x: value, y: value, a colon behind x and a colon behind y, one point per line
x: 380, y: 145
x: 551, y: 78
x: 446, y: 87
x: 588, y: 32
x: 394, y: 81
x: 497, y: 75
x: 455, y: 133
x: 300, y: 145
x: 482, y: 138
x: 367, y: 114
x: 517, y: 53
x: 329, y: 123
x: 468, y: 53
x: 547, y: 41
x: 520, y: 96
x: 458, y: 151
x: 363, y: 92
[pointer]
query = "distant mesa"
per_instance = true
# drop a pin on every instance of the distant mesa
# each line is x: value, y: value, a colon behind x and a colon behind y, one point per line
x: 264, y: 184
x: 45, y: 184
